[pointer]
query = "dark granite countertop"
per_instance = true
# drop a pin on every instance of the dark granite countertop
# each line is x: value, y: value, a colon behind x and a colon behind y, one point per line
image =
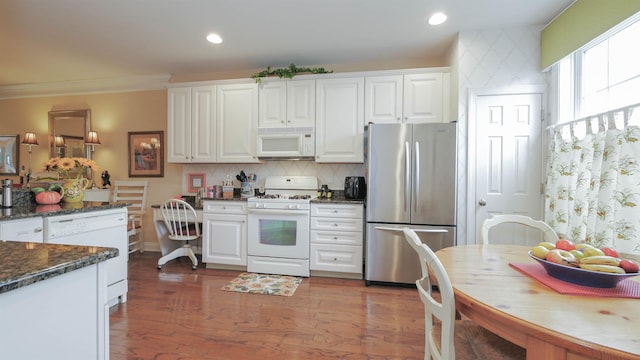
x: 33, y: 210
x: 27, y: 263
x: 337, y: 197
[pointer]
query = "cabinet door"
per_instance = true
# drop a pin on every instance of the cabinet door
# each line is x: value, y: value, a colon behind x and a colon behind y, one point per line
x: 237, y: 118
x: 301, y: 103
x: 340, y: 120
x: 423, y: 94
x: 203, y: 124
x: 383, y: 99
x: 273, y: 104
x: 179, y: 125
x: 27, y: 230
x: 224, y: 239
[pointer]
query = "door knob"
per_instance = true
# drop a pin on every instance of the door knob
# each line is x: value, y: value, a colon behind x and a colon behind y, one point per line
x: 482, y: 202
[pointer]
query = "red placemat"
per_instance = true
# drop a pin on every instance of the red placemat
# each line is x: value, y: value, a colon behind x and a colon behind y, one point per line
x: 625, y: 288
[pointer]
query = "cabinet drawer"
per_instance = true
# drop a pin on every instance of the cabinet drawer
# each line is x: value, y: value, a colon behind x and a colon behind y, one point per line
x: 224, y: 207
x: 342, y: 210
x: 336, y: 258
x: 336, y: 237
x: 336, y: 224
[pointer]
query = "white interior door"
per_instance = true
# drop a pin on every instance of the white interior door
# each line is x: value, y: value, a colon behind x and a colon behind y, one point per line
x: 509, y: 162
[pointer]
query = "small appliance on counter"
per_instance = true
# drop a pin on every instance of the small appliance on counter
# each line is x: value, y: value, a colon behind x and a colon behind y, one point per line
x: 355, y: 187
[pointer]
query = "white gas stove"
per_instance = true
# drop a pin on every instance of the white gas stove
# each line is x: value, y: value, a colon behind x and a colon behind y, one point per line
x: 278, y: 229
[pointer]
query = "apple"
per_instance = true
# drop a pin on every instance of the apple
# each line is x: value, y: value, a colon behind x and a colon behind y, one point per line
x: 610, y: 251
x: 539, y: 251
x: 564, y: 244
x: 562, y: 257
x: 592, y: 252
x: 629, y: 266
x: 548, y: 245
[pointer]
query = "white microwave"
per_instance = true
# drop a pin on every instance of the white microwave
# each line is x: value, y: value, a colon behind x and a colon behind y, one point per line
x: 286, y: 143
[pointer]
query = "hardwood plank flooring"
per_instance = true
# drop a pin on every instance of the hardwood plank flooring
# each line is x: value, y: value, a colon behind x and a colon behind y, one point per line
x: 179, y: 313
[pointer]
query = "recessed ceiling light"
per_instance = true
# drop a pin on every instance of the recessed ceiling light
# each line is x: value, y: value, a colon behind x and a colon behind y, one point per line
x: 214, y: 38
x: 437, y: 18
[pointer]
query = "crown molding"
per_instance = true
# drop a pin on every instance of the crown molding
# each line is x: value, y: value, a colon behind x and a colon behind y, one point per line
x: 77, y: 87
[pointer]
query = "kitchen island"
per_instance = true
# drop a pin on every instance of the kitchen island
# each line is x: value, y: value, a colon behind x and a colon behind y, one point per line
x: 53, y: 301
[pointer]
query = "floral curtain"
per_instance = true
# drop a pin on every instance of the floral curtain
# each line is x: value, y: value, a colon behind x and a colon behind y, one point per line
x: 593, y: 180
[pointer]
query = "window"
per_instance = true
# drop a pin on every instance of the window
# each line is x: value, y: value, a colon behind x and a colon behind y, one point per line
x: 602, y: 76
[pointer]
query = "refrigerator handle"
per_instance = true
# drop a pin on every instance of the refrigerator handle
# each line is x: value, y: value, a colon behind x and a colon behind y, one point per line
x: 416, y: 183
x: 407, y: 175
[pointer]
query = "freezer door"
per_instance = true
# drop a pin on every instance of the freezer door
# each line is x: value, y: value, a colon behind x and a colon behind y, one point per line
x: 388, y: 170
x: 434, y: 174
x: 389, y: 258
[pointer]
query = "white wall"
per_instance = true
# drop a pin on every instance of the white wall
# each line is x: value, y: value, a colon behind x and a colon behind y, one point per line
x: 495, y: 59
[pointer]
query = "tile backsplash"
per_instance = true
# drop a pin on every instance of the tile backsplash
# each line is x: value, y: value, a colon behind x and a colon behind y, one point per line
x: 331, y: 174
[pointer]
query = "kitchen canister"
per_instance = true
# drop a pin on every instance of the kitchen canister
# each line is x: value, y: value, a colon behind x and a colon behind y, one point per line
x: 7, y: 185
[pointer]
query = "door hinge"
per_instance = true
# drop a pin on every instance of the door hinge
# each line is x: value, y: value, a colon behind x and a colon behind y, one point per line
x: 542, y: 115
x: 542, y: 188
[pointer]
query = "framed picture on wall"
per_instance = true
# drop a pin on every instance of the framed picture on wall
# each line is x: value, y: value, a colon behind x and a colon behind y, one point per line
x: 146, y: 154
x: 9, y: 154
x: 196, y: 182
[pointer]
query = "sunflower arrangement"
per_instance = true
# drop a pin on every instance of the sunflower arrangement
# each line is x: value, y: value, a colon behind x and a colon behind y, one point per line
x: 70, y: 168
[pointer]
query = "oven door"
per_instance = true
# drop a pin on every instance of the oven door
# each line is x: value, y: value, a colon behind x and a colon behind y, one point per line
x: 278, y: 233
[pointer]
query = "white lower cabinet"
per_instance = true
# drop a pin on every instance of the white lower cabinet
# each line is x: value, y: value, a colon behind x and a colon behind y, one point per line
x: 27, y: 230
x: 224, y: 233
x: 336, y: 239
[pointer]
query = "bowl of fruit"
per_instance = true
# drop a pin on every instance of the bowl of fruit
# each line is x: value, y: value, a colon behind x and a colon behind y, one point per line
x: 584, y: 264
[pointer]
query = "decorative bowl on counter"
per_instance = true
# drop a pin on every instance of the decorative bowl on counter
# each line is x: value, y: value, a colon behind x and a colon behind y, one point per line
x: 582, y: 277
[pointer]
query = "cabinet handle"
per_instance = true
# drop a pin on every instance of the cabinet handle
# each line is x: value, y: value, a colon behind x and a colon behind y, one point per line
x: 335, y: 224
x: 38, y: 229
x: 335, y: 259
x: 335, y: 238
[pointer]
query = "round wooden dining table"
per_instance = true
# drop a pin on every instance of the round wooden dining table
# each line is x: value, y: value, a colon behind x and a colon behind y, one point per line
x: 526, y: 312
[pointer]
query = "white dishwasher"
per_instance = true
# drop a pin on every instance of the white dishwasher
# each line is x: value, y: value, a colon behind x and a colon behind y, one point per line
x: 103, y: 228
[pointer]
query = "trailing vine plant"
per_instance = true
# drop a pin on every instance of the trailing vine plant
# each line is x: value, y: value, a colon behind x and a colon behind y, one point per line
x: 288, y: 72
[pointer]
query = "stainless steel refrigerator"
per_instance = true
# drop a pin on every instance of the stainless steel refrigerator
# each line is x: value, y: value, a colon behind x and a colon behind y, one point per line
x: 411, y: 182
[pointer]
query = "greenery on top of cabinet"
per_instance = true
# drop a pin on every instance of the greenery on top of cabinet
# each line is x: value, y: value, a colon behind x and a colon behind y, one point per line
x: 288, y: 72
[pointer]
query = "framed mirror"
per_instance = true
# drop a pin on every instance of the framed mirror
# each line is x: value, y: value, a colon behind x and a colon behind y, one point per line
x: 67, y: 132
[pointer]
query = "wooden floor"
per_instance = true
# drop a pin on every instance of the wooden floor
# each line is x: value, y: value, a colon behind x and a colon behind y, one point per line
x: 179, y: 313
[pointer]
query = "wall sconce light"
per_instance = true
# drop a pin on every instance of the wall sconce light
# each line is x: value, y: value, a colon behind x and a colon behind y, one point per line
x: 92, y: 140
x: 59, y: 144
x: 30, y: 140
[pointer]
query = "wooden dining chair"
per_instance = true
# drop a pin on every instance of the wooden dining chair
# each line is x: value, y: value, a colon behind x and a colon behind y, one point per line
x: 445, y: 337
x: 182, y: 224
x: 134, y: 193
x: 548, y: 234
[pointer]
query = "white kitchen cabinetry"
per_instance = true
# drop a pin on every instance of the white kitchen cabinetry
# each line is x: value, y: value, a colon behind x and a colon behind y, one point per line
x: 106, y: 228
x: 224, y: 234
x: 409, y: 98
x: 340, y: 120
x: 237, y: 118
x: 27, y: 230
x: 191, y: 124
x: 289, y: 103
x: 336, y: 240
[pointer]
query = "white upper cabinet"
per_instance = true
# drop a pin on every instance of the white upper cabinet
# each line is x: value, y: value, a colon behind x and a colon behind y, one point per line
x: 340, y: 120
x: 237, y: 121
x: 287, y: 103
x: 410, y: 98
x: 191, y: 124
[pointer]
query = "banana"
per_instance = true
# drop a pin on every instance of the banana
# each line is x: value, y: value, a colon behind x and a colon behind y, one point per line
x: 603, y: 268
x: 600, y: 260
x: 582, y: 246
